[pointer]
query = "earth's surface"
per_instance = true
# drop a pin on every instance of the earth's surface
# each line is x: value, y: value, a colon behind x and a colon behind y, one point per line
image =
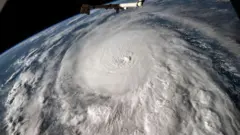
x: 168, y: 68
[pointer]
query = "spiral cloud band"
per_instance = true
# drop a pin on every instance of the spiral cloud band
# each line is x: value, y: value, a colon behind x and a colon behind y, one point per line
x: 115, y: 66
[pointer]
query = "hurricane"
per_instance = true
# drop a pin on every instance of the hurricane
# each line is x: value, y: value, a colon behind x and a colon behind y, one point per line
x: 165, y: 68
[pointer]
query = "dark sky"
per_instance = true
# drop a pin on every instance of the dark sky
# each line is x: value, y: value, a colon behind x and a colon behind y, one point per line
x: 20, y: 19
x: 236, y: 5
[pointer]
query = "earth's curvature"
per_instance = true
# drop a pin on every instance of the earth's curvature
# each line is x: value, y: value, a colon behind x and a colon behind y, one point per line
x: 168, y: 68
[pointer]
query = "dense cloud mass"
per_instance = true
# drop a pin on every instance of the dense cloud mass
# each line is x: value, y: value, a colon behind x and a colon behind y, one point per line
x: 159, y: 69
